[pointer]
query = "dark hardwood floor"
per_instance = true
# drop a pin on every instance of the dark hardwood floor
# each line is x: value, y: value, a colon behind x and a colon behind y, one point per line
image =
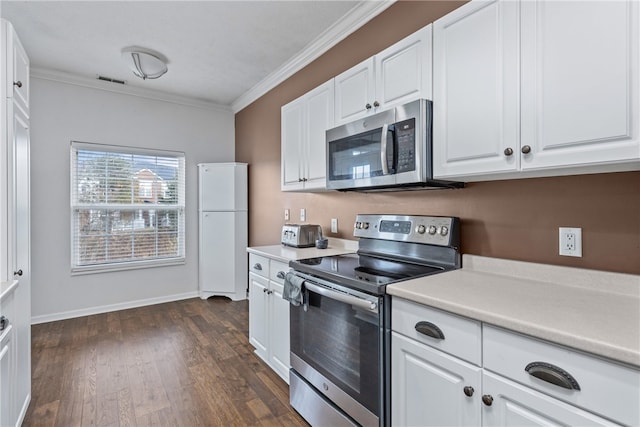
x: 185, y: 363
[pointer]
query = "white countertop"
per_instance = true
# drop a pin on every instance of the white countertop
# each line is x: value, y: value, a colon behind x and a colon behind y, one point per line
x: 597, y: 312
x: 285, y: 253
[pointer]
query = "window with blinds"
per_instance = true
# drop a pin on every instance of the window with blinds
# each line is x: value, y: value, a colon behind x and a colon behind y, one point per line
x: 127, y: 207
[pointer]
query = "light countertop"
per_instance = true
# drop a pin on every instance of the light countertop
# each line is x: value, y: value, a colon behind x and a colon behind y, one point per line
x: 593, y: 311
x: 285, y: 253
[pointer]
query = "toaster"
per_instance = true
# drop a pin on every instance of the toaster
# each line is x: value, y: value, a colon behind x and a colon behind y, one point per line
x: 300, y: 235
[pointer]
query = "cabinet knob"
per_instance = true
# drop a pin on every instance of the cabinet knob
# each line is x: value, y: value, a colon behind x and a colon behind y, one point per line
x: 257, y: 266
x: 508, y: 151
x: 4, y: 322
x: 18, y: 83
x: 376, y: 104
x: 368, y: 106
x: 18, y: 273
x: 526, y: 149
x: 265, y: 290
x: 487, y: 399
x: 468, y: 391
x: 280, y: 275
x: 269, y: 292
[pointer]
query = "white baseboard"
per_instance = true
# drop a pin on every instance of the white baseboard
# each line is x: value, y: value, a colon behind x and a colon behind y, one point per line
x: 112, y: 307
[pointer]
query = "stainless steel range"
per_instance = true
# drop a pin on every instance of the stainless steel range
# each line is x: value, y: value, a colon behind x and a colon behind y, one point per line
x: 341, y: 333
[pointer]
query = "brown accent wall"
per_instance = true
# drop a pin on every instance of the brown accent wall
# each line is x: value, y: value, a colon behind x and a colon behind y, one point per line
x: 515, y: 219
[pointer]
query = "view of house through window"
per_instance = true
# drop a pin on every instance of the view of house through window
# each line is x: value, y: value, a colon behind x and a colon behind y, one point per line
x: 127, y: 206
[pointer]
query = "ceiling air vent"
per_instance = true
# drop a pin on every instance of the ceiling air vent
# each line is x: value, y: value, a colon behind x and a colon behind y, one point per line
x: 109, y: 79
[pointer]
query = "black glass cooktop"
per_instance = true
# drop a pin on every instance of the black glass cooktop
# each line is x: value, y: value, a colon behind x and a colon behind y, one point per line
x: 366, y: 273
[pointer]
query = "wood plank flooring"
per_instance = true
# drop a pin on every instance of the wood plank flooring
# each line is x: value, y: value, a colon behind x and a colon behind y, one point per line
x: 185, y: 363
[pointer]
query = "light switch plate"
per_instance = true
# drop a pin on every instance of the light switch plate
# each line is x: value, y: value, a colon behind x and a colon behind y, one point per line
x: 334, y: 225
x: 303, y: 214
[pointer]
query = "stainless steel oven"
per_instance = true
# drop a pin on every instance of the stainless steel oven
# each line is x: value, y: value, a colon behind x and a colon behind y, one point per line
x: 340, y: 334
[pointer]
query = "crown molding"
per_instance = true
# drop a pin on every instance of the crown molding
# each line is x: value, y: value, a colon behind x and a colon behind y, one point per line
x: 356, y: 18
x: 94, y: 83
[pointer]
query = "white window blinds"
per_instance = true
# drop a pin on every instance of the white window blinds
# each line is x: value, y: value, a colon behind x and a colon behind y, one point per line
x: 127, y: 207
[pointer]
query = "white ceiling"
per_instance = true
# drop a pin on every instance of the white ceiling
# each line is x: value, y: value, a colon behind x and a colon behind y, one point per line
x: 222, y: 52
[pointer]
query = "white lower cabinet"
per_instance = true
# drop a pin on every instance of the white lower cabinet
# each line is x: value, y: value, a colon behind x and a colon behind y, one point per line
x: 428, y: 386
x: 269, y: 313
x: 512, y: 404
x: 523, y: 381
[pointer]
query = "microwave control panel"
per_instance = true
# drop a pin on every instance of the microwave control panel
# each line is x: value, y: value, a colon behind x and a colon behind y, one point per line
x: 405, y: 134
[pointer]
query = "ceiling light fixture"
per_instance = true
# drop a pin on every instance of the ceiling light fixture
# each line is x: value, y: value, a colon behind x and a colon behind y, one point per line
x: 145, y: 63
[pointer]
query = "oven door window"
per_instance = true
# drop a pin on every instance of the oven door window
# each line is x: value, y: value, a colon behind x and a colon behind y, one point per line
x: 341, y: 342
x: 359, y: 156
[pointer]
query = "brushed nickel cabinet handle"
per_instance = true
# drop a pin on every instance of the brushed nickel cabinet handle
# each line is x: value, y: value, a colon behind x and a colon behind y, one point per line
x: 18, y: 273
x: 526, y: 149
x: 552, y: 374
x: 18, y: 83
x: 429, y: 329
x: 257, y: 266
x: 487, y: 399
x: 508, y: 151
x: 468, y: 391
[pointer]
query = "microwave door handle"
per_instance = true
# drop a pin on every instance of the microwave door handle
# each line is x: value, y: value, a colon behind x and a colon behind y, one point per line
x: 383, y: 150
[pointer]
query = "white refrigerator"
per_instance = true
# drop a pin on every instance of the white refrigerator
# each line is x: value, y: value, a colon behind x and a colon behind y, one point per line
x: 223, y: 224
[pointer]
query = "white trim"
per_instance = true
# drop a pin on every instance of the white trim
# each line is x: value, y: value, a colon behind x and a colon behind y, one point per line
x: 127, y: 265
x: 356, y: 18
x: 94, y: 83
x: 111, y: 307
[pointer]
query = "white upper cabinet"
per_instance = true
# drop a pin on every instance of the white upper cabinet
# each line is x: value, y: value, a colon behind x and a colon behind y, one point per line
x: 475, y: 89
x: 304, y: 122
x: 579, y: 82
x: 546, y: 87
x: 398, y: 74
x: 18, y: 72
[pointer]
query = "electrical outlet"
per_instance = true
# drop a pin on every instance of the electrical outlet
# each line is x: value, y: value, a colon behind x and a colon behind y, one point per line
x: 334, y: 225
x: 570, y: 241
x: 303, y: 214
x: 286, y: 214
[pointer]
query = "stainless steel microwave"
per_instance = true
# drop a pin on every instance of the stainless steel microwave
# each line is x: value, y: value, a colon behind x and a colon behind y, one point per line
x: 390, y: 150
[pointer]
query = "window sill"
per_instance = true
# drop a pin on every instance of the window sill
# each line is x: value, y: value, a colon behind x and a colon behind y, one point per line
x: 106, y: 268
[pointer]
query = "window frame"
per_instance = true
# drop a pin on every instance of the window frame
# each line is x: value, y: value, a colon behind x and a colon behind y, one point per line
x: 180, y: 208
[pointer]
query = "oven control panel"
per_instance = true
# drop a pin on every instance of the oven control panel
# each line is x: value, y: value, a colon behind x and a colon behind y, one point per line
x: 432, y: 230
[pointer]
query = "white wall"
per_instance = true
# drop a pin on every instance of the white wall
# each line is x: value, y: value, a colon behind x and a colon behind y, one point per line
x: 62, y: 112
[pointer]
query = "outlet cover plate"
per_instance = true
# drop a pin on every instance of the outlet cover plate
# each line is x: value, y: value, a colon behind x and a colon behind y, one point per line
x: 570, y: 241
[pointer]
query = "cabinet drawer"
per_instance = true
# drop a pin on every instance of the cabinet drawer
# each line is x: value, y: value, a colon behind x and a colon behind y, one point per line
x: 259, y: 265
x: 606, y: 388
x: 277, y: 270
x: 461, y: 335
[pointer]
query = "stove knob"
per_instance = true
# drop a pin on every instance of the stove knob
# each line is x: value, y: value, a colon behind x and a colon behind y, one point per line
x: 432, y: 229
x: 365, y: 225
x: 421, y: 229
x: 358, y: 225
x: 444, y: 230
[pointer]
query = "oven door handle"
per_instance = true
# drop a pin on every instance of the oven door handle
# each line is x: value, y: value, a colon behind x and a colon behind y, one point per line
x: 348, y: 299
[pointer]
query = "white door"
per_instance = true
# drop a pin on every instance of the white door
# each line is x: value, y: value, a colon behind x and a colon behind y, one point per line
x: 355, y: 92
x: 512, y: 404
x: 319, y: 118
x: 292, y: 137
x: 580, y: 76
x: 428, y: 386
x: 475, y: 89
x: 279, y: 328
x: 22, y: 259
x: 403, y: 71
x: 222, y: 186
x: 217, y: 255
x: 258, y: 309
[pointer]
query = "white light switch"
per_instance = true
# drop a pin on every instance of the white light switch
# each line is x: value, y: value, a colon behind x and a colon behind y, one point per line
x: 303, y: 214
x: 334, y: 225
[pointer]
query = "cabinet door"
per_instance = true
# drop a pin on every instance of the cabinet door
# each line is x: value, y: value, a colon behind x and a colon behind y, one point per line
x: 403, y: 71
x: 475, y: 89
x: 258, y: 309
x: 319, y: 118
x: 355, y: 92
x: 292, y: 154
x: 516, y: 405
x: 428, y: 386
x: 18, y: 81
x: 580, y: 88
x: 7, y: 379
x: 279, y: 329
